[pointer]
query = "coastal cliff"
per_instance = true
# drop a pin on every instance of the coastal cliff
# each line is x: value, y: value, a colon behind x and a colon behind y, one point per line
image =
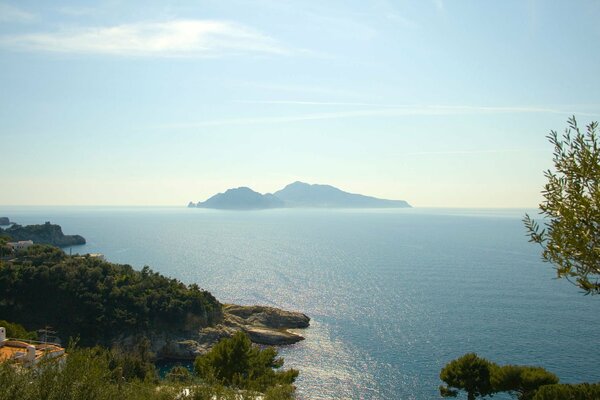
x: 264, y: 325
x: 47, y: 233
x: 119, y: 305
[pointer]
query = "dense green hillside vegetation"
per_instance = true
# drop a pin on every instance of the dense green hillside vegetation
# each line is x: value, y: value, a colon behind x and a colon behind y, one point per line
x: 95, y: 300
x: 98, y: 302
x: 101, y: 374
x: 480, y: 378
x: 236, y: 362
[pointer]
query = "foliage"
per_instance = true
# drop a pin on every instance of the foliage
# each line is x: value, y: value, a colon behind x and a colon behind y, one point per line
x: 469, y: 373
x: 88, y: 374
x: 85, y: 375
x: 16, y: 331
x: 582, y: 391
x: 236, y: 362
x: 279, y: 392
x: 42, y: 234
x: 523, y: 381
x: 95, y: 300
x: 179, y: 373
x: 570, y: 237
x: 134, y: 363
x: 5, y: 249
x: 41, y: 254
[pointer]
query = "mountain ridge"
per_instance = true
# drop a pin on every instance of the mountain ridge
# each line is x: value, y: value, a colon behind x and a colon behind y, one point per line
x: 295, y: 195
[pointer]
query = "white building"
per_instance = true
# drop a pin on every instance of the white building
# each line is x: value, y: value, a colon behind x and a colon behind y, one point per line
x: 27, y: 353
x: 20, y: 245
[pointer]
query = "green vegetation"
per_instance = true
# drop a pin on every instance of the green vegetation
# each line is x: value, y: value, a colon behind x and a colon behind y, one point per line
x: 95, y: 300
x: 98, y: 302
x: 235, y: 362
x: 101, y: 374
x: 5, y: 250
x: 86, y: 374
x: 570, y: 238
x: 521, y: 381
x: 42, y: 234
x: 90, y: 374
x: 179, y: 373
x: 582, y: 391
x: 469, y: 373
x: 16, y: 331
x: 480, y: 377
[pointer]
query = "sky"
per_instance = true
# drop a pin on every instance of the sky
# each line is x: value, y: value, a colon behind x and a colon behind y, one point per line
x: 440, y: 103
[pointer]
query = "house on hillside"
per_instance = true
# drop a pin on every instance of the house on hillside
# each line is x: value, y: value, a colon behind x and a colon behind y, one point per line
x: 27, y: 353
x: 20, y: 245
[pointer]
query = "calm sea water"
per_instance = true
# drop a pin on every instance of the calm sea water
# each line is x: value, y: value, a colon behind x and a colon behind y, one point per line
x: 393, y: 294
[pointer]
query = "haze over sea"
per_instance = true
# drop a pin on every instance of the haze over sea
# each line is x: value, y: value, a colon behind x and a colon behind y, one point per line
x: 393, y: 294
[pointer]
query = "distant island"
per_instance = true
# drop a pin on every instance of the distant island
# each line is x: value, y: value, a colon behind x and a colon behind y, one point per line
x: 47, y: 233
x: 295, y: 195
x: 4, y: 221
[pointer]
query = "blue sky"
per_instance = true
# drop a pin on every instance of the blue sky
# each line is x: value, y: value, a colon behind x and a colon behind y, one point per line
x: 439, y: 103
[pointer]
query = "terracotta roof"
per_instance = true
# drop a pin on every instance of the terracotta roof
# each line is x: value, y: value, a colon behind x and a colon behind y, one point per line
x: 14, y: 348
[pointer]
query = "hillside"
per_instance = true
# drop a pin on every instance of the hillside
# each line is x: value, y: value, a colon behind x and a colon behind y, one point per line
x: 42, y: 234
x: 242, y: 198
x: 295, y: 195
x: 96, y: 300
x: 300, y: 194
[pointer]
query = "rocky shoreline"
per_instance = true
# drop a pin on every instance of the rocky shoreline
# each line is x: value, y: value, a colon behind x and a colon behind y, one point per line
x: 264, y: 325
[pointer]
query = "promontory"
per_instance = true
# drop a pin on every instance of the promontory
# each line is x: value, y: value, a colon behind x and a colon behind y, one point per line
x: 42, y: 234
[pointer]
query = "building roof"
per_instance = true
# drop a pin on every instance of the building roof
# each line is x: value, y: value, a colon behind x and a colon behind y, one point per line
x: 17, y: 349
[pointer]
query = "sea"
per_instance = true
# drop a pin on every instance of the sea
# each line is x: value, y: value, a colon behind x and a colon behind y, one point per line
x: 393, y: 294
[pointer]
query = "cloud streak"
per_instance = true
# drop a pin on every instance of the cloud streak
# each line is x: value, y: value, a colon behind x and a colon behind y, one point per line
x: 176, y: 38
x: 467, y: 152
x: 10, y: 13
x: 383, y: 111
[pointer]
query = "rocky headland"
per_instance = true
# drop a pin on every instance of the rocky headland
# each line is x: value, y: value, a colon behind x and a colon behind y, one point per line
x: 264, y: 325
x: 42, y: 234
x: 4, y: 221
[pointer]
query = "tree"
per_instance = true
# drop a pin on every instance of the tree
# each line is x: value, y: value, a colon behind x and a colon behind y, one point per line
x: 469, y: 373
x: 582, y: 391
x: 522, y: 381
x: 179, y: 373
x: 570, y: 236
x: 235, y: 362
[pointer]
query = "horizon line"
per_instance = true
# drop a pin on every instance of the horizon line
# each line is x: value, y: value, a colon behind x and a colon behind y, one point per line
x: 291, y: 208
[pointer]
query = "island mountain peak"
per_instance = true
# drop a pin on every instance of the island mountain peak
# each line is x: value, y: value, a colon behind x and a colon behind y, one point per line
x: 241, y: 198
x: 297, y: 194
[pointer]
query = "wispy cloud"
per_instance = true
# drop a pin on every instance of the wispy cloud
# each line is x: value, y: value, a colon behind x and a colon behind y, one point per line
x: 395, y: 111
x: 176, y: 38
x: 473, y: 152
x: 10, y: 13
x: 431, y: 109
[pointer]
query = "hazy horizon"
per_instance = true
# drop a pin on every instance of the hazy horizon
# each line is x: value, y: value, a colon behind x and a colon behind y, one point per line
x: 440, y: 104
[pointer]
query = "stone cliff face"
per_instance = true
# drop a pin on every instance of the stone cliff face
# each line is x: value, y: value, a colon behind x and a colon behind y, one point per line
x: 264, y: 325
x: 43, y: 234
